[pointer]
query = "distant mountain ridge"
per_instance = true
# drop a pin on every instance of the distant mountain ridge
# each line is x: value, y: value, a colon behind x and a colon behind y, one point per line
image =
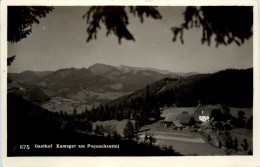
x: 129, y: 68
x: 97, y: 83
x: 28, y: 77
x: 164, y: 72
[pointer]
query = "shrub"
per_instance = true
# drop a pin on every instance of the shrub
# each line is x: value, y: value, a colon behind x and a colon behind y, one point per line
x: 241, y: 119
x: 245, y: 145
x: 149, y: 139
x: 249, y: 123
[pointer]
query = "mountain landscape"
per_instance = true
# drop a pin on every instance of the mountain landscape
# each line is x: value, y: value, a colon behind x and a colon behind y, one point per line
x: 147, y: 99
x: 125, y: 88
x: 68, y: 103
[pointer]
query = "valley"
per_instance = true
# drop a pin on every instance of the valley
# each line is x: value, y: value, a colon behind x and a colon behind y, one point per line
x: 66, y: 89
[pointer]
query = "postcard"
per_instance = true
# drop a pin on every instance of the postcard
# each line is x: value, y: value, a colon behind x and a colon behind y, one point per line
x: 136, y: 83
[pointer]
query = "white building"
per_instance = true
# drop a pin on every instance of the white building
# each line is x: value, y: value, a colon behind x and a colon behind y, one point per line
x: 202, y: 114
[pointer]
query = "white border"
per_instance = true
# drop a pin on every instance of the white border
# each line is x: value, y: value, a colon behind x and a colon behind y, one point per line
x: 236, y: 161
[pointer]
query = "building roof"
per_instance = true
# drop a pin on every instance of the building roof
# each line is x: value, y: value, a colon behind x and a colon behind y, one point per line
x: 170, y: 117
x: 184, y: 118
x: 203, y: 111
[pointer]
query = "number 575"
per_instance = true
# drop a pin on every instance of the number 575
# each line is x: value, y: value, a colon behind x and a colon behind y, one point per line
x: 24, y: 147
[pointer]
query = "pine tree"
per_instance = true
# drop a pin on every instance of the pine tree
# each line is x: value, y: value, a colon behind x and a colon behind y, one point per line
x: 249, y: 123
x: 235, y: 144
x: 241, y: 119
x: 219, y: 144
x: 245, y: 145
x: 129, y: 130
x: 75, y: 112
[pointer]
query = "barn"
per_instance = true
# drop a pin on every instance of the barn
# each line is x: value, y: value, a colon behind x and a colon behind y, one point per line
x: 179, y: 120
x: 169, y: 120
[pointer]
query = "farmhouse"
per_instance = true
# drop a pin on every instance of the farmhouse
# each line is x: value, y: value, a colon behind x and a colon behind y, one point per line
x: 202, y: 114
x: 179, y: 120
x: 169, y: 120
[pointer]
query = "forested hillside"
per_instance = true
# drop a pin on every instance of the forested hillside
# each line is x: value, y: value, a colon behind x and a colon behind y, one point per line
x: 230, y: 87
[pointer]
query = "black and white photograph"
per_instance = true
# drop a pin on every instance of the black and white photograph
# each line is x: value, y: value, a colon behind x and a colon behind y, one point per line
x: 130, y: 81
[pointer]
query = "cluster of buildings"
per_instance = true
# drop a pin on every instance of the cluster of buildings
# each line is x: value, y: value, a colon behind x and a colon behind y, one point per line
x: 201, y: 116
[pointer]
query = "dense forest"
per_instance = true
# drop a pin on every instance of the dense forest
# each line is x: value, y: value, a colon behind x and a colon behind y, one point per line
x: 231, y: 87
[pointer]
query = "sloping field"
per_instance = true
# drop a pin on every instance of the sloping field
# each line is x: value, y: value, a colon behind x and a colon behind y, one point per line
x: 185, y: 142
x: 191, y: 148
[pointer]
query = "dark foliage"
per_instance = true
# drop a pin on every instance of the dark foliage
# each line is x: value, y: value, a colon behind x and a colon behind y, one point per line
x: 129, y: 130
x: 226, y: 113
x: 234, y: 121
x: 249, y: 123
x: 149, y: 139
x: 228, y: 141
x: 221, y: 115
x: 216, y: 114
x: 232, y: 24
x: 219, y: 144
x: 115, y: 19
x: 10, y: 60
x: 241, y: 122
x: 229, y: 87
x: 245, y: 145
x: 21, y: 18
x: 219, y: 126
x: 250, y: 152
x: 235, y: 146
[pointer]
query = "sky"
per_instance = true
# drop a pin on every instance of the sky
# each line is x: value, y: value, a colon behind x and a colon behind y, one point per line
x: 59, y: 41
